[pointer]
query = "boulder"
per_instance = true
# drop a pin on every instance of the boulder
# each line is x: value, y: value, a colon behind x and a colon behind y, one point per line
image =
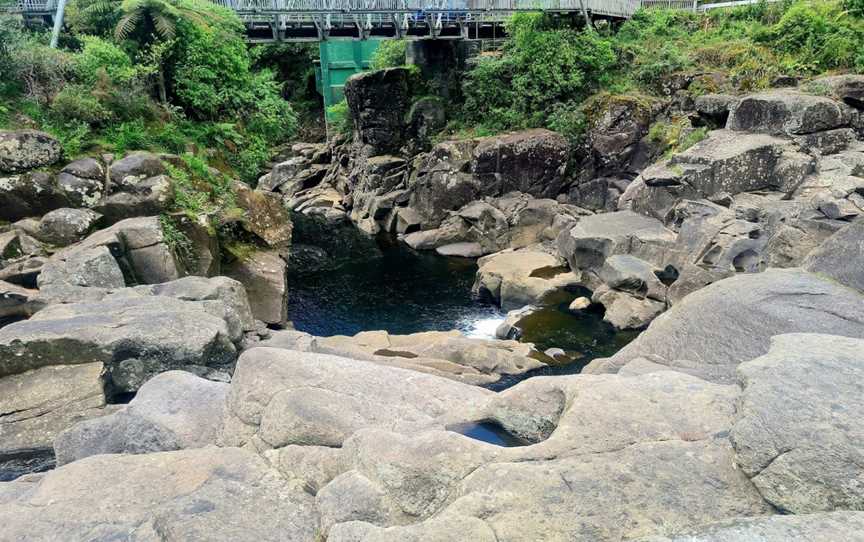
x: 264, y: 215
x: 629, y: 274
x: 625, y: 310
x: 35, y: 406
x: 848, y: 87
x: 205, y: 494
x: 135, y: 196
x: 83, y: 182
x: 822, y: 526
x: 228, y: 291
x: 17, y: 303
x: 378, y: 101
x: 713, y: 109
x: 711, y: 331
x: 21, y: 150
x: 318, y: 399
x: 798, y: 429
x: 531, y: 161
x: 84, y: 274
x: 513, y: 279
x: 594, y: 238
x: 841, y: 257
x: 726, y: 162
x: 62, y: 227
x: 441, y: 181
x: 263, y: 274
x: 29, y: 194
x: 172, y: 411
x: 134, y: 336
x: 786, y: 112
x: 616, y: 125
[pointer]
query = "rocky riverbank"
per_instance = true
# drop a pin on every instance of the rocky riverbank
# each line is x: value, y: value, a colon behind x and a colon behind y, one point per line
x: 737, y: 411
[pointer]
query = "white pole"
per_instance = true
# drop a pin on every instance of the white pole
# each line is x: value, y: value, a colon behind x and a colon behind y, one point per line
x: 58, y: 23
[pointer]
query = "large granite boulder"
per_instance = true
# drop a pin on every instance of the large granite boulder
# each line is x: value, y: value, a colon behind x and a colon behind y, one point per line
x: 263, y: 273
x: 214, y: 494
x: 264, y: 215
x: 713, y: 330
x: 799, y: 428
x: 62, y: 227
x: 134, y: 336
x: 841, y: 257
x: 726, y: 162
x: 283, y: 397
x: 82, y: 275
x: 513, y: 279
x: 379, y: 101
x: 594, y: 238
x: 786, y: 112
x: 804, y: 527
x: 172, y: 411
x: 21, y: 150
x: 531, y: 161
x: 616, y: 126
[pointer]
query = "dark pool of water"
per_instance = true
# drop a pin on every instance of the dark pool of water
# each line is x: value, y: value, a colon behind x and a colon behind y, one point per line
x: 406, y: 291
x: 488, y: 432
x: 401, y: 292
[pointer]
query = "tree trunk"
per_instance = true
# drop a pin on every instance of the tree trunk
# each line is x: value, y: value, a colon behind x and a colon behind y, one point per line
x: 160, y: 81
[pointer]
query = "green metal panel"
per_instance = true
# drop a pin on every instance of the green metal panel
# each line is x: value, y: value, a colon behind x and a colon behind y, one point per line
x: 340, y: 59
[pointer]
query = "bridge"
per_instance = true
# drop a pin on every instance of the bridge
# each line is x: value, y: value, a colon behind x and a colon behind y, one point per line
x: 320, y: 20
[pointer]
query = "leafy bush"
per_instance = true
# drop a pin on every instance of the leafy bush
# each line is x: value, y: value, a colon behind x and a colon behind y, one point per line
x: 77, y: 103
x: 389, y: 54
x: 100, y: 58
x: 339, y: 118
x: 541, y: 66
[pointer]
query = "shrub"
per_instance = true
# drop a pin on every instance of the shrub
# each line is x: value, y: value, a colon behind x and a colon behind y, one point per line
x: 129, y: 136
x: 100, y: 58
x: 42, y: 71
x: 339, y: 118
x: 77, y: 103
x: 389, y: 54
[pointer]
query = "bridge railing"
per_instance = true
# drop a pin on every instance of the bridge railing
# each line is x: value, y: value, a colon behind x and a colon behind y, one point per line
x: 391, y: 6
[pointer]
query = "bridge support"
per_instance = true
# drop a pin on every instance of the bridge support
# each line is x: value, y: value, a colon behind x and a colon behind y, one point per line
x: 340, y: 59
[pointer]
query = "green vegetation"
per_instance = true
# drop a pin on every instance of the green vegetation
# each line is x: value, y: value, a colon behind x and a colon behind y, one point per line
x: 389, y: 54
x: 546, y: 72
x: 163, y: 75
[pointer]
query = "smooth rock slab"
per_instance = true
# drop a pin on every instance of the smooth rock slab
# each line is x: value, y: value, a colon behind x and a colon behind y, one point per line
x: 161, y: 330
x: 841, y: 257
x: 632, y: 492
x: 800, y: 426
x: 268, y: 399
x: 218, y: 494
x: 824, y: 527
x: 711, y: 331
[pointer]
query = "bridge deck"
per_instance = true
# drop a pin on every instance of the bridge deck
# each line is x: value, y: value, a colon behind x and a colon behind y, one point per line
x: 298, y: 20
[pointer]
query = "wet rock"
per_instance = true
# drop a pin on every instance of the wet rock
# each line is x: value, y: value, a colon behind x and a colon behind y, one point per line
x: 21, y: 150
x: 172, y: 411
x: 523, y: 277
x: 35, y: 406
x: 62, y: 227
x: 207, y: 494
x: 786, y: 112
x: 711, y: 331
x: 803, y: 459
x: 263, y: 274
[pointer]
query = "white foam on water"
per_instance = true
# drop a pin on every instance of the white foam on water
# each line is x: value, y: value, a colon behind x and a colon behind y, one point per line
x: 483, y: 328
